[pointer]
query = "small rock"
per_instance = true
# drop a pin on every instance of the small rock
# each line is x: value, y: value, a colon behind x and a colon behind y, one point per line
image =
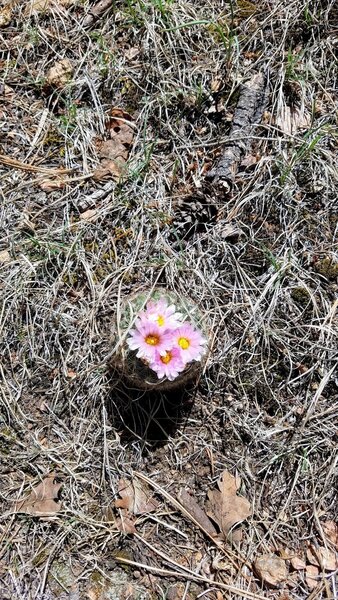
x: 297, y: 563
x: 270, y: 569
x: 311, y: 576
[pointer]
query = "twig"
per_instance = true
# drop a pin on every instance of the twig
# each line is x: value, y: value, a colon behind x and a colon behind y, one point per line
x: 18, y: 164
x: 185, y: 512
x: 190, y: 575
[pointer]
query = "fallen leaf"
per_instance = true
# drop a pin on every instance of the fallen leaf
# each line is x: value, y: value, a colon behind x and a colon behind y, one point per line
x: 196, y: 511
x: 114, y: 151
x: 50, y: 185
x: 43, y: 499
x: 5, y: 257
x: 297, y: 563
x: 60, y: 73
x: 125, y: 524
x: 5, y: 15
x: 270, y: 569
x: 224, y: 506
x: 322, y: 557
x: 330, y: 529
x: 135, y: 498
x: 311, y: 576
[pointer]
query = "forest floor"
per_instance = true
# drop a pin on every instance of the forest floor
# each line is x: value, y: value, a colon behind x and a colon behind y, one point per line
x: 109, y: 125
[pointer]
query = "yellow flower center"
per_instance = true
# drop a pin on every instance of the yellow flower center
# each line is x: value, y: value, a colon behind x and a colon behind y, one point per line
x: 152, y: 340
x: 160, y: 320
x: 183, y: 343
x: 166, y: 358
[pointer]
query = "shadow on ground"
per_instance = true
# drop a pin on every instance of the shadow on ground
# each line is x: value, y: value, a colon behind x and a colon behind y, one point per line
x: 150, y: 417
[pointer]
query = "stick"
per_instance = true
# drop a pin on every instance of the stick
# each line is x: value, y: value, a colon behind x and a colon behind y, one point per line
x: 191, y: 576
x: 18, y: 164
x: 248, y: 113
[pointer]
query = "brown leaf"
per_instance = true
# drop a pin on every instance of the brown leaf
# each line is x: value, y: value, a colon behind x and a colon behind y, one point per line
x: 50, y: 185
x: 270, y: 569
x: 330, y: 529
x: 126, y: 525
x: 311, y: 576
x: 60, y: 73
x: 135, y: 498
x: 42, y: 501
x: 114, y: 152
x: 322, y: 557
x: 196, y: 511
x: 224, y: 506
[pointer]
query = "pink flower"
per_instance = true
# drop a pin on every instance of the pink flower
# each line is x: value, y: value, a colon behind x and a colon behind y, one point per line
x: 162, y: 314
x: 148, y: 339
x: 189, y: 341
x: 168, y: 365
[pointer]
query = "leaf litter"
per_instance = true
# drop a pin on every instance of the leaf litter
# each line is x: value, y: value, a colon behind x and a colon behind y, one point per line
x: 225, y: 507
x: 114, y: 151
x: 43, y: 501
x: 135, y: 498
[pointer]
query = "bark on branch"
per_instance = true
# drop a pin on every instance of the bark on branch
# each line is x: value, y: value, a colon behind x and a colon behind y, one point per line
x: 248, y: 113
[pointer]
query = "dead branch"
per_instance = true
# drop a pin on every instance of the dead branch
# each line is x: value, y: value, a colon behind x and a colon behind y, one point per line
x: 248, y: 113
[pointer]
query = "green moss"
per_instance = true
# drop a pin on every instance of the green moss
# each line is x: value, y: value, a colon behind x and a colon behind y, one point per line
x: 327, y: 267
x: 301, y: 295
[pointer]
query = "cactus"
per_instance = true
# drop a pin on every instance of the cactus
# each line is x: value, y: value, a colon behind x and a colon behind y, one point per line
x: 136, y: 370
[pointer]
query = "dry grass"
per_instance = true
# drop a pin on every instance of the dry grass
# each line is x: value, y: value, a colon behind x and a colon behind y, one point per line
x: 261, y: 263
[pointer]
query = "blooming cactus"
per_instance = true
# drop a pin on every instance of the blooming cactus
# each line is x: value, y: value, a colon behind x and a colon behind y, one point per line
x: 164, y: 341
